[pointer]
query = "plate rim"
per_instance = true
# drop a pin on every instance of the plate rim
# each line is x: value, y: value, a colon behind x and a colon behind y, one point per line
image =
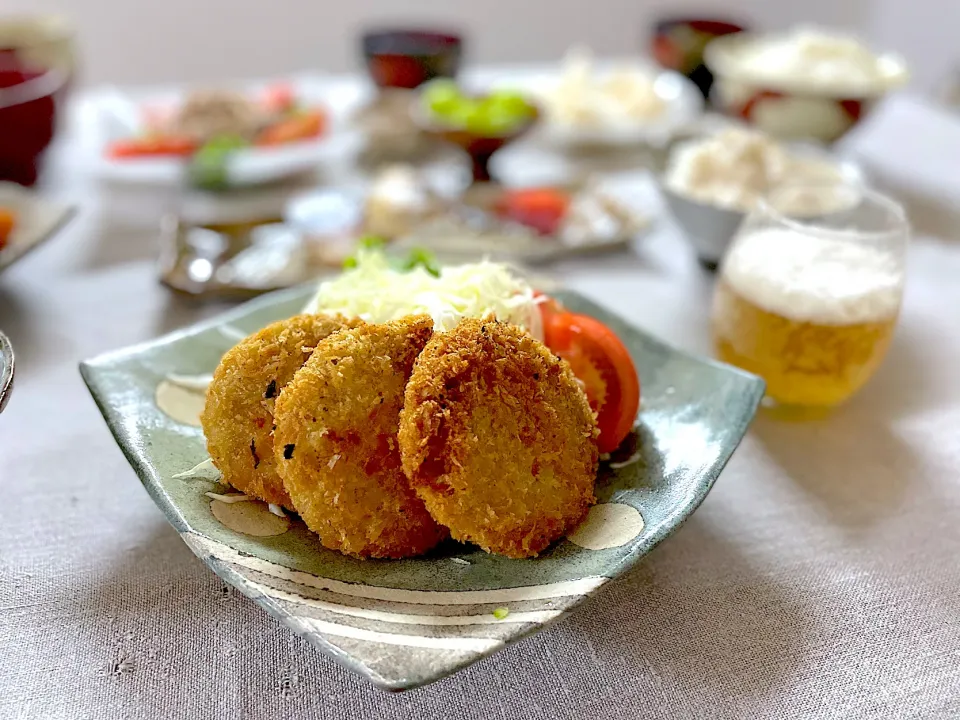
x: 22, y: 196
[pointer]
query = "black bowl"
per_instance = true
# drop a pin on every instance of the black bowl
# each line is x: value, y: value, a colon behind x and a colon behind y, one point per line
x: 408, y: 58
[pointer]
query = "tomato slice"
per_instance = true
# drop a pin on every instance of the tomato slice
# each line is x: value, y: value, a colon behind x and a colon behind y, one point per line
x: 152, y: 146
x: 300, y: 126
x: 602, y: 362
x: 542, y: 209
x: 278, y: 98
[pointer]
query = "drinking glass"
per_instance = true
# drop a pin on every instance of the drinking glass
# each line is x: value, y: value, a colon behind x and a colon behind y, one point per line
x: 810, y: 290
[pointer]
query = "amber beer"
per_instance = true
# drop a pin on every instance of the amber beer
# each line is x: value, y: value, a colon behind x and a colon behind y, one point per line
x: 814, y: 317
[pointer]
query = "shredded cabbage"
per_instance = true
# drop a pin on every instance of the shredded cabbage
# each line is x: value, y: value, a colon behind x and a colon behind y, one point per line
x: 376, y: 292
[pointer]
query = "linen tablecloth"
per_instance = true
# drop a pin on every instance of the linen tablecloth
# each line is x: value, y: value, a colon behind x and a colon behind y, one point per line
x: 819, y: 579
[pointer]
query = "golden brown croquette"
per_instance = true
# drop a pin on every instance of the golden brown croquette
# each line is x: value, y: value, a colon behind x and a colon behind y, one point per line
x: 237, y: 418
x: 497, y: 438
x: 336, y: 442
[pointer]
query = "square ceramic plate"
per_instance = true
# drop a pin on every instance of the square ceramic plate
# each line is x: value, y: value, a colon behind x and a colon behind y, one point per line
x: 38, y: 219
x: 405, y: 623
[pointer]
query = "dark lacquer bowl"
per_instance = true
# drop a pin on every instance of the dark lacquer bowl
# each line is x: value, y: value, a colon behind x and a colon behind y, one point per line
x: 409, y: 58
x: 28, y: 108
x: 677, y: 43
x: 479, y: 147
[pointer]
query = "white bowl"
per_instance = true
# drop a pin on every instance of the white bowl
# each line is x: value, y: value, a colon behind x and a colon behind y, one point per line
x: 793, y: 107
x: 709, y: 228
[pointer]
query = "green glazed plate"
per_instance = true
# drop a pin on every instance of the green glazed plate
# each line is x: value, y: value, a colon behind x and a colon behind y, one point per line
x: 405, y: 623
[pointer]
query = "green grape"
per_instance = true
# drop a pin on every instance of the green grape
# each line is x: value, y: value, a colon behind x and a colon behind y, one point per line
x: 443, y: 97
x: 508, y: 102
x: 484, y: 122
x: 439, y: 89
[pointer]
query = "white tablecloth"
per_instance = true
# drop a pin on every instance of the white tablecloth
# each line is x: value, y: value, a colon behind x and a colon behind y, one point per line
x: 819, y: 579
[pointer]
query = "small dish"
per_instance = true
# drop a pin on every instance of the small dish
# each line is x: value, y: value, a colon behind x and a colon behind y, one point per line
x: 598, y: 220
x: 38, y: 219
x: 479, y: 147
x: 406, y: 623
x: 6, y: 370
x: 709, y: 228
x: 407, y: 58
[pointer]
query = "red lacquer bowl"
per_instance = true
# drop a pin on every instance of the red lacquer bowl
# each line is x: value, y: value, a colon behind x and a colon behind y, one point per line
x: 28, y: 110
x: 409, y: 58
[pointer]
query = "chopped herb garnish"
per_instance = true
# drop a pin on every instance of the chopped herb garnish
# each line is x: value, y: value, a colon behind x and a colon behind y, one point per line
x: 371, y: 242
x: 417, y: 257
x: 271, y: 390
x: 420, y: 257
x: 501, y: 612
x: 288, y: 451
x: 253, y: 451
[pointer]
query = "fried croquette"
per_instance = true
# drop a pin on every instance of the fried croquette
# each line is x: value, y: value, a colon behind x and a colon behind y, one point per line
x: 498, y: 439
x: 237, y: 418
x: 336, y: 442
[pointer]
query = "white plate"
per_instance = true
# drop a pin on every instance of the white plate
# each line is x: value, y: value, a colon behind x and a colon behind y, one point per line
x: 37, y: 220
x: 683, y: 106
x: 119, y: 116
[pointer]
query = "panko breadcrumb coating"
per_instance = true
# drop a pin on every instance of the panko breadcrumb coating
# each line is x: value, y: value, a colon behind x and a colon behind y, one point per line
x: 336, y: 442
x: 237, y: 418
x: 498, y: 439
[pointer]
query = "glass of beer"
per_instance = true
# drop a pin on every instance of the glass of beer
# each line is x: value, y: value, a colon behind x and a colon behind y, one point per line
x: 810, y: 289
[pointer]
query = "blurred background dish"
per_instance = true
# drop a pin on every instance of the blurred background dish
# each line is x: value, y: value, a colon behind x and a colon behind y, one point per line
x: 677, y: 43
x: 805, y: 84
x: 529, y: 225
x: 479, y: 124
x: 234, y: 243
x: 398, y: 61
x: 279, y: 128
x: 28, y: 117
x: 407, y: 58
x: 613, y: 104
x: 710, y: 183
x: 40, y: 41
x: 26, y: 221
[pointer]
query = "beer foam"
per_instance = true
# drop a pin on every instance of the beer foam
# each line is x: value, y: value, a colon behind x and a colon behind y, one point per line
x: 809, y: 278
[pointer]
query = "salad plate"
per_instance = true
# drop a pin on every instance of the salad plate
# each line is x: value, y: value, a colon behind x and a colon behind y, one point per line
x: 121, y: 115
x: 406, y: 623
